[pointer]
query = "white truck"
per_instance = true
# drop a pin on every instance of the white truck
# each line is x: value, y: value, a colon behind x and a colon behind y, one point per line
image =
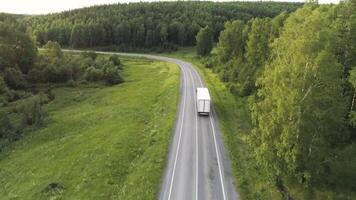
x: 203, y: 101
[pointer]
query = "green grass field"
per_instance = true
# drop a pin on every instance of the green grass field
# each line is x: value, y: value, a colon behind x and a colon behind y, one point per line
x: 98, y: 142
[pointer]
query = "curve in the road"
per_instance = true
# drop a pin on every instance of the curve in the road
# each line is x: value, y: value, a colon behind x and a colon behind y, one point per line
x: 197, y: 165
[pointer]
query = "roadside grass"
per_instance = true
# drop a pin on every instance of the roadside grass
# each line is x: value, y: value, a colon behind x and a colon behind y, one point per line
x: 234, y: 121
x: 98, y: 142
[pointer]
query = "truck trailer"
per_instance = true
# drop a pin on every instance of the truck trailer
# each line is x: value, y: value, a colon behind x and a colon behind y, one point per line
x: 203, y: 101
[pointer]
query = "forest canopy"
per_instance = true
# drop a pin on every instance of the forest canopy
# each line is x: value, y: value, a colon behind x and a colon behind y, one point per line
x: 145, y: 25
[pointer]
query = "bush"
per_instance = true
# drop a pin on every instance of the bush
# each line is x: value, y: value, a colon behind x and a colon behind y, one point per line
x: 34, y: 76
x: 64, y: 73
x: 10, y: 95
x: 6, y: 127
x: 115, y: 59
x: 49, y: 73
x: 101, y: 61
x: 56, y: 74
x: 14, y: 78
x: 32, y: 112
x: 86, y: 63
x: 72, y: 83
x: 53, y: 50
x: 3, y: 86
x: 112, y: 75
x: 93, y: 74
x: 50, y: 94
x: 76, y: 68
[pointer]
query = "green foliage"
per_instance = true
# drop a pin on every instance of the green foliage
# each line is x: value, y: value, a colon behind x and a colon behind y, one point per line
x: 298, y: 113
x: 204, y: 41
x: 53, y: 50
x: 145, y: 25
x: 352, y: 77
x: 14, y: 78
x: 56, y: 73
x: 111, y: 74
x: 115, y: 60
x: 352, y: 80
x: 242, y: 52
x: 257, y: 46
x: 232, y: 41
x: 277, y: 24
x: 6, y: 127
x: 32, y: 111
x: 16, y: 47
x: 93, y: 74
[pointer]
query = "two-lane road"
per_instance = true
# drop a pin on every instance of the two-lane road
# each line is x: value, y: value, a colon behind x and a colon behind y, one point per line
x: 197, y: 166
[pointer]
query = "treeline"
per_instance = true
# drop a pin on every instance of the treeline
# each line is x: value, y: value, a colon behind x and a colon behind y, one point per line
x: 27, y: 76
x: 164, y: 25
x: 298, y: 71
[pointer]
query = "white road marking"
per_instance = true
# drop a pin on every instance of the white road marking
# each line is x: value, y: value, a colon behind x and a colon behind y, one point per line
x: 196, y: 141
x: 180, y: 136
x: 218, y: 157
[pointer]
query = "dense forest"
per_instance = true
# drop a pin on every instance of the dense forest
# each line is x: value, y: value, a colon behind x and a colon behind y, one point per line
x: 163, y: 25
x: 298, y: 72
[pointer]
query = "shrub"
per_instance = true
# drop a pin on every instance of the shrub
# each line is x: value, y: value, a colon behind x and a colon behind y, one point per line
x: 76, y: 70
x: 49, y: 73
x: 112, y: 75
x: 101, y: 61
x: 32, y: 111
x: 34, y: 76
x: 72, y: 83
x: 3, y: 86
x: 86, y: 63
x: 9, y: 95
x: 14, y: 78
x: 53, y: 50
x: 115, y: 59
x: 6, y: 127
x: 50, y: 94
x: 64, y: 73
x: 93, y: 74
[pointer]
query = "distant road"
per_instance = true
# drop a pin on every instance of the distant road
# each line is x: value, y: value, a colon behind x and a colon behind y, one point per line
x: 197, y: 166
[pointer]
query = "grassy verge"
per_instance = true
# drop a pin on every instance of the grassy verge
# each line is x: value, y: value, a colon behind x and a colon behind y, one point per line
x: 234, y: 122
x: 98, y: 142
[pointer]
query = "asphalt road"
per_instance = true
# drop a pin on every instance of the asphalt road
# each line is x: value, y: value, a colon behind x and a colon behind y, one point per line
x: 197, y: 166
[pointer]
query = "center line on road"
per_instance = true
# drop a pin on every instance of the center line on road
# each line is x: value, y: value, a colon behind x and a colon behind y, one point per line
x: 196, y: 140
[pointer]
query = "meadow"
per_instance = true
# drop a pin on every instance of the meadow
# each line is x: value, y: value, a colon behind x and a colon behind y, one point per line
x: 98, y: 142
